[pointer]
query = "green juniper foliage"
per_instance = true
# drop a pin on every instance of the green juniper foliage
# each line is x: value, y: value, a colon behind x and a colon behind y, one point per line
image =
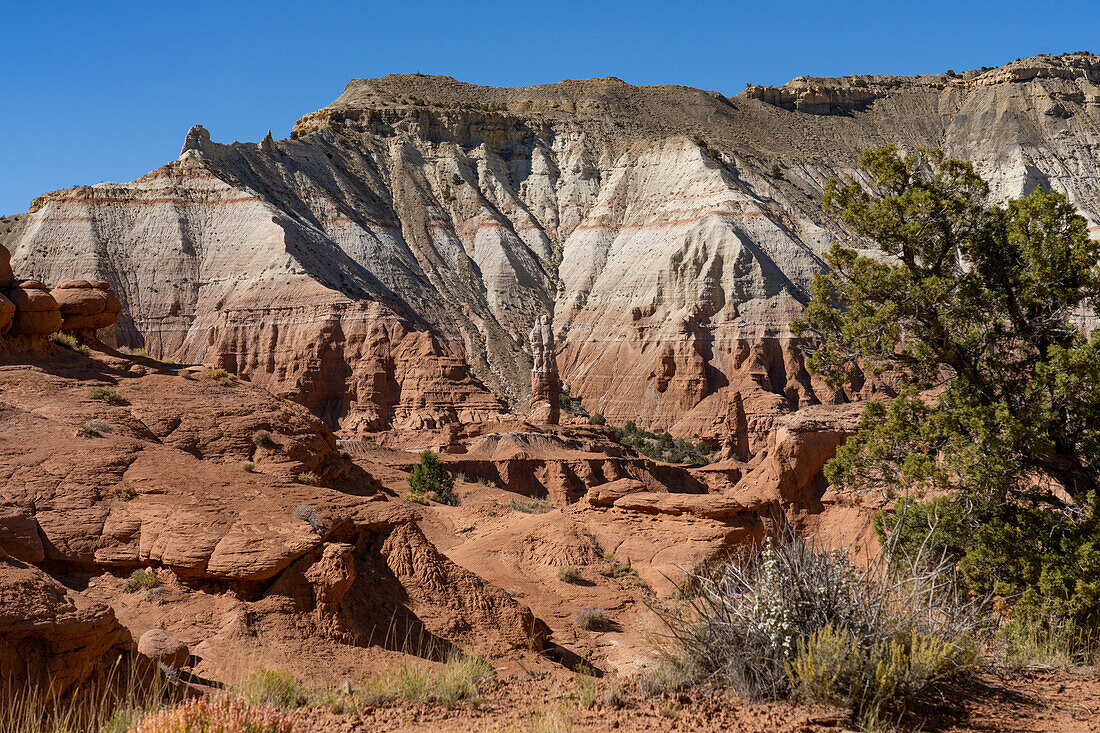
x: 430, y: 477
x: 976, y: 309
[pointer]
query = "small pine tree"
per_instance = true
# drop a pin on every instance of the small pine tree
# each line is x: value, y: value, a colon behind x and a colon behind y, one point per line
x: 429, y: 477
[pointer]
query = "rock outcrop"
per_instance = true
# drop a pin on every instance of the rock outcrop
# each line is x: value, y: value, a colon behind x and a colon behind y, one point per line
x: 86, y: 306
x: 545, y: 408
x: 382, y: 265
x: 50, y: 635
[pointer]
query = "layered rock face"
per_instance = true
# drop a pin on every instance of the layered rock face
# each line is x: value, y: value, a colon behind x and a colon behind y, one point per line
x: 383, y: 266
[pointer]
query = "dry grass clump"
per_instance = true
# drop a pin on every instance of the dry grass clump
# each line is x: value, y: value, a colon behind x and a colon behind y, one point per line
x: 787, y: 619
x: 106, y: 393
x: 132, y: 352
x: 221, y: 376
x: 248, y: 466
x: 591, y: 618
x: 220, y: 714
x: 67, y: 341
x: 458, y: 679
x: 531, y: 506
x: 111, y: 705
x: 94, y: 428
x: 311, y: 515
x: 263, y: 439
x: 309, y: 478
x: 277, y: 688
x: 570, y: 574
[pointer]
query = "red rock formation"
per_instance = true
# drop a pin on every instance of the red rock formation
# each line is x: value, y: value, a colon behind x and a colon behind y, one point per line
x: 50, y: 635
x: 86, y: 306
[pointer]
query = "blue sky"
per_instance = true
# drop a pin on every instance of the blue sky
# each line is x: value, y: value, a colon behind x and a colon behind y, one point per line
x: 93, y: 91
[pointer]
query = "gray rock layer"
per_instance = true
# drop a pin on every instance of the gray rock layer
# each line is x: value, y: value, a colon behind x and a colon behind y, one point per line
x: 418, y: 225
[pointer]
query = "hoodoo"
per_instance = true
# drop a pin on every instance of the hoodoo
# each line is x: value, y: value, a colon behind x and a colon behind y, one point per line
x: 545, y: 384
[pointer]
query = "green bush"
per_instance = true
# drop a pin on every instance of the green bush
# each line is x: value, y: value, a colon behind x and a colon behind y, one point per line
x: 139, y: 580
x: 309, y: 478
x: 663, y: 447
x: 597, y: 419
x: 67, y: 341
x: 106, y: 394
x: 430, y: 477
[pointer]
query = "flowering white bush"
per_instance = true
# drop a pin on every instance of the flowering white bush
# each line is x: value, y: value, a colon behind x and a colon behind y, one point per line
x: 745, y: 622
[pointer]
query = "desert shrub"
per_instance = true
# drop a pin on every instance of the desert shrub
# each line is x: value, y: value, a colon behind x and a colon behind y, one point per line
x: 67, y: 341
x: 591, y: 618
x: 430, y: 477
x: 309, y: 514
x: 221, y: 714
x: 786, y: 618
x: 663, y: 447
x: 95, y: 428
x: 309, y: 478
x: 106, y: 393
x: 776, y: 172
x: 125, y: 493
x: 531, y: 506
x: 416, y: 498
x: 132, y: 352
x: 248, y: 466
x: 139, y: 580
x: 832, y: 667
x: 597, y: 419
x: 277, y: 688
x: 569, y: 574
x: 457, y: 679
x: 263, y: 439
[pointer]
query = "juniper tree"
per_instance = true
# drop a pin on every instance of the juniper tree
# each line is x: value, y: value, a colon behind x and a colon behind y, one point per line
x: 979, y: 313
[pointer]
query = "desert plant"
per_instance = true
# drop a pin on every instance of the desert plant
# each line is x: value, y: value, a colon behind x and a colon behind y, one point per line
x: 70, y: 342
x: 95, y: 428
x: 263, y: 439
x: 106, y: 393
x: 570, y: 574
x: 971, y: 304
x: 457, y: 679
x: 531, y: 506
x: 309, y: 478
x: 113, y: 703
x: 591, y: 618
x: 416, y: 498
x: 430, y: 477
x: 786, y: 611
x: 132, y: 351
x: 222, y: 714
x: 248, y: 466
x: 125, y: 493
x: 309, y: 514
x: 597, y: 419
x: 277, y: 688
x: 140, y: 579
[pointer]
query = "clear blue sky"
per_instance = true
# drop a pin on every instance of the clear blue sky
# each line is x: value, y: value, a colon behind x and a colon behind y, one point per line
x: 93, y: 91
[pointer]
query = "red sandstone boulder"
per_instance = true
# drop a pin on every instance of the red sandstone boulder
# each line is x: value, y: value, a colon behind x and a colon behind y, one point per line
x: 36, y: 311
x: 160, y: 646
x: 86, y: 305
